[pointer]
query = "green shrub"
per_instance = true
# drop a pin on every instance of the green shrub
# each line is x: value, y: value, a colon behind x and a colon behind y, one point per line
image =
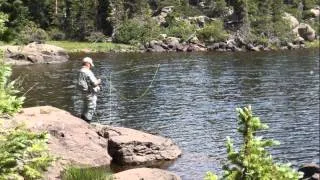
x: 181, y: 8
x: 252, y: 161
x: 32, y: 33
x: 262, y: 40
x: 56, y: 34
x: 4, y: 32
x: 9, y: 102
x: 3, y: 20
x: 216, y: 9
x: 309, y: 4
x: 283, y: 31
x: 181, y: 29
x: 293, y: 11
x: 186, y: 11
x: 23, y: 154
x: 213, y: 32
x: 136, y: 30
x: 75, y: 173
x: 96, y: 37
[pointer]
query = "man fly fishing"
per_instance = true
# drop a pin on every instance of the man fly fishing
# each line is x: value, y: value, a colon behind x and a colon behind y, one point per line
x: 89, y: 86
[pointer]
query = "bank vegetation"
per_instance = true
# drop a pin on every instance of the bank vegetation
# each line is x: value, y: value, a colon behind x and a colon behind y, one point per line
x: 205, y: 24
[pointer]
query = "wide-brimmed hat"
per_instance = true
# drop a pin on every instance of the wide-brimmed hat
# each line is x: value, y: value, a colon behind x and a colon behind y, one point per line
x: 88, y: 60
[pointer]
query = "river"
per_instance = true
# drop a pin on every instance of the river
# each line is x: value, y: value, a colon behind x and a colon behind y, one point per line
x: 192, y: 99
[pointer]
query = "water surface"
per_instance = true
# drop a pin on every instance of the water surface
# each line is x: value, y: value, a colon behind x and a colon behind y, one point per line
x: 193, y: 98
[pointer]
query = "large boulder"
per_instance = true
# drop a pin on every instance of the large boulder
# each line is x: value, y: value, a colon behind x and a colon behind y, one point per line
x: 196, y: 48
x: 35, y: 53
x: 72, y: 140
x: 293, y: 22
x: 132, y: 147
x: 251, y: 47
x: 213, y: 47
x: 145, y: 174
x: 156, y: 48
x: 315, y: 11
x: 172, y: 42
x: 306, y: 32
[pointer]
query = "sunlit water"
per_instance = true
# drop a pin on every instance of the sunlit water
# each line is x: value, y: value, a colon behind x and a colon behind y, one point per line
x: 193, y: 98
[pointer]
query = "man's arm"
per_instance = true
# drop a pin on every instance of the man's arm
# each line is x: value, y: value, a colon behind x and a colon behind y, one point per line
x: 94, y: 81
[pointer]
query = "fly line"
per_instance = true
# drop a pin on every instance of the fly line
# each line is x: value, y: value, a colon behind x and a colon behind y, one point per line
x: 112, y: 88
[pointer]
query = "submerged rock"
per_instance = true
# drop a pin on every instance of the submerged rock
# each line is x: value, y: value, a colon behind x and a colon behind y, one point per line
x: 310, y: 171
x: 145, y: 174
x: 132, y: 147
x: 35, y: 53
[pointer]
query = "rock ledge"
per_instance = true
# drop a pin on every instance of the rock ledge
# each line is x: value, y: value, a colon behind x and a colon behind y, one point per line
x: 131, y: 147
x: 34, y: 53
x: 71, y: 139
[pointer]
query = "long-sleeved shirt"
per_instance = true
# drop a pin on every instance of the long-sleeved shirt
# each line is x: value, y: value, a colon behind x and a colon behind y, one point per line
x: 87, y: 81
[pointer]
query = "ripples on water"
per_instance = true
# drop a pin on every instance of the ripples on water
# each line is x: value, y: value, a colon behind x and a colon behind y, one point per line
x: 193, y: 100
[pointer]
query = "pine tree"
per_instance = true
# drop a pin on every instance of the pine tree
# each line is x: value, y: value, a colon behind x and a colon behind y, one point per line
x: 252, y: 161
x: 264, y: 18
x: 82, y: 18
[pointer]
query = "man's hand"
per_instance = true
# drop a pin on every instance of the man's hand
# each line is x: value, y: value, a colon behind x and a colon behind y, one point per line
x: 96, y: 89
x: 98, y: 82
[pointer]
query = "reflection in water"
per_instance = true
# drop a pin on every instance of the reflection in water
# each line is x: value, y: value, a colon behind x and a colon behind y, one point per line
x: 193, y: 100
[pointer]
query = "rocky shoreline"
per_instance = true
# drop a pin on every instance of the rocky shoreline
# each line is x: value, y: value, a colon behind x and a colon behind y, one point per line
x: 34, y: 53
x: 49, y: 54
x: 74, y: 142
x: 235, y: 42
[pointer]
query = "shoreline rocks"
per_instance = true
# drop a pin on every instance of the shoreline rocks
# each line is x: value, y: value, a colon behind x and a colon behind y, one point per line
x: 74, y: 142
x: 34, y: 53
x: 235, y: 42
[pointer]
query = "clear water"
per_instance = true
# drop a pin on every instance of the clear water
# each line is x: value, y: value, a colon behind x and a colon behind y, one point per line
x: 193, y: 99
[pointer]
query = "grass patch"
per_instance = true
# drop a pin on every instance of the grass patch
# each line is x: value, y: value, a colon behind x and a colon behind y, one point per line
x: 313, y: 44
x: 76, y: 173
x: 73, y: 46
